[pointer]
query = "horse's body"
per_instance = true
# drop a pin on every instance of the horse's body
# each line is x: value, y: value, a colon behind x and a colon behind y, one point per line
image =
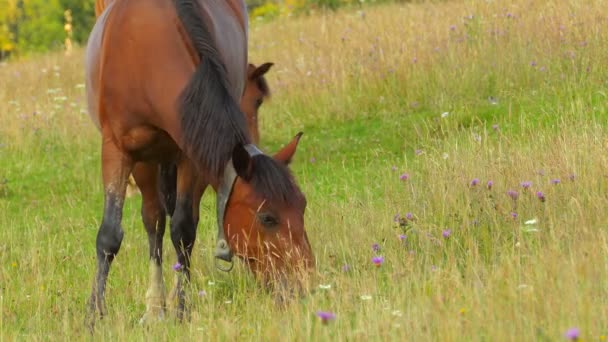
x: 256, y: 86
x: 163, y: 82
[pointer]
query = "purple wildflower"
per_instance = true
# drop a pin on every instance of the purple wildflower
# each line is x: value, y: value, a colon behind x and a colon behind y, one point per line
x: 404, y: 176
x: 345, y: 268
x: 533, y: 63
x: 446, y: 233
x: 418, y: 152
x: 453, y: 28
x: 513, y: 194
x: 397, y: 218
x: 376, y: 247
x: 514, y: 215
x: 555, y: 181
x: 313, y: 159
x: 409, y: 216
x: 378, y: 260
x: 572, y: 334
x: 177, y: 266
x: 202, y: 293
x: 402, y: 237
x: 490, y: 184
x: 474, y: 182
x: 495, y: 127
x: 326, y: 316
x: 540, y: 196
x: 526, y: 185
x: 394, y: 168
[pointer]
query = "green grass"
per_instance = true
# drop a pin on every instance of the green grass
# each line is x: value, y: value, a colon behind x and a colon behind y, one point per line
x: 369, y: 114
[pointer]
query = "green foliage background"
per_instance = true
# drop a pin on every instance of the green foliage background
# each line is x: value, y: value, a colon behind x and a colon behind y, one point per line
x: 38, y: 25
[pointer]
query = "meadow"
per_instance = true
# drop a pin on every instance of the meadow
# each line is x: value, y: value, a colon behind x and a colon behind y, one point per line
x: 464, y: 142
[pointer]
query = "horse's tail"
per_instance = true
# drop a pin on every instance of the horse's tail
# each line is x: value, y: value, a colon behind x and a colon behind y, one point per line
x: 211, y: 120
x: 167, y: 184
x: 100, y: 5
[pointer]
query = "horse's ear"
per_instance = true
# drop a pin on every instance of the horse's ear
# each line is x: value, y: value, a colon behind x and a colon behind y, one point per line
x: 242, y: 162
x: 286, y: 153
x: 260, y: 71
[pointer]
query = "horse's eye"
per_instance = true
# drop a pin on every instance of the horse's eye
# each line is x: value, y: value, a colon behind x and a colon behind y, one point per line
x: 267, y: 220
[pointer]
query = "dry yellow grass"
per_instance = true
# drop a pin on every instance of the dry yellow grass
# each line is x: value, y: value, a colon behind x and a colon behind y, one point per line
x: 523, y: 86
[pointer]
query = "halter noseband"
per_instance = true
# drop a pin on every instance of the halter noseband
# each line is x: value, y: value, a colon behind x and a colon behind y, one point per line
x: 222, y: 249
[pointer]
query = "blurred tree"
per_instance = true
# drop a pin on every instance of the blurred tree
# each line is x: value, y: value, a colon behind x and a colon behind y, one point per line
x: 38, y: 25
x: 8, y: 12
x: 83, y: 18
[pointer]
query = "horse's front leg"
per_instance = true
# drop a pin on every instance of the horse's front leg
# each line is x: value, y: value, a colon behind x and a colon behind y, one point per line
x: 153, y: 216
x: 184, y: 221
x: 116, y: 167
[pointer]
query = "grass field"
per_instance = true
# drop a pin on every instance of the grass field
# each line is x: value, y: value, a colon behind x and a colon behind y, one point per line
x: 467, y: 139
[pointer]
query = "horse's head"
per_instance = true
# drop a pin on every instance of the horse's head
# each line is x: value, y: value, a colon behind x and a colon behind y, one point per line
x: 264, y: 216
x: 256, y: 90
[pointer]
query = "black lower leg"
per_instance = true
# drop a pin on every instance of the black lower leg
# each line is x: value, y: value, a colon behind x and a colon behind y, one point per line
x: 154, y: 222
x: 183, y: 235
x: 109, y: 239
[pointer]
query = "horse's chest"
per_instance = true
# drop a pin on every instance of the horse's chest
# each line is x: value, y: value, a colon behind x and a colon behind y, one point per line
x: 149, y: 144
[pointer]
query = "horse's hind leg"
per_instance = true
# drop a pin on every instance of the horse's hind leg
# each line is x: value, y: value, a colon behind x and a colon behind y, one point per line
x: 153, y: 215
x: 183, y: 230
x: 116, y: 167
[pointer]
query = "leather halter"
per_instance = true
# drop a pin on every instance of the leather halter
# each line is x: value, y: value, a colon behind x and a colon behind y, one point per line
x: 222, y: 249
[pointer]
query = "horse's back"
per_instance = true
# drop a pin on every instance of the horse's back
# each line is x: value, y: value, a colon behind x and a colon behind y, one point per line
x: 92, y: 56
x: 139, y: 59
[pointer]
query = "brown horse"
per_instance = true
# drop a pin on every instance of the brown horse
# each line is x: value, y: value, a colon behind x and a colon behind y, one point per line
x: 163, y: 81
x: 256, y: 86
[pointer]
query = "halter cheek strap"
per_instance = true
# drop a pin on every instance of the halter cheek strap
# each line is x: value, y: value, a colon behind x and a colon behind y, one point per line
x: 222, y: 249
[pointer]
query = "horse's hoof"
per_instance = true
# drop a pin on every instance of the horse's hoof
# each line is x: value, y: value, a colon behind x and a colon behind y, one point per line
x: 152, y: 316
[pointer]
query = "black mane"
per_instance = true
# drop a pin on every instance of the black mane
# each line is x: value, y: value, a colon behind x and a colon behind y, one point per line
x: 211, y: 121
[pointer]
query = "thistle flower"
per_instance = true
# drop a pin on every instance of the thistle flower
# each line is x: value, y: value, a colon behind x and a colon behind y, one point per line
x: 376, y: 247
x: 177, y: 266
x: 474, y: 182
x: 526, y: 185
x: 326, y: 316
x: 540, y: 196
x: 378, y: 260
x: 404, y: 176
x: 409, y: 216
x: 446, y: 233
x: 555, y: 181
x: 513, y: 194
x: 490, y: 184
x: 572, y: 334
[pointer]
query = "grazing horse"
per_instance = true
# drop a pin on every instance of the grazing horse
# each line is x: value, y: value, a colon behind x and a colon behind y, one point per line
x: 163, y: 81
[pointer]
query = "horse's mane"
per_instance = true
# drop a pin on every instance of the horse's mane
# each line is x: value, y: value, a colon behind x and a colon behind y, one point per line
x: 211, y: 121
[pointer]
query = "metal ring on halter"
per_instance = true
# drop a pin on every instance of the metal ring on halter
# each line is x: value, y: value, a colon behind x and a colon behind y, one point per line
x: 218, y: 265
